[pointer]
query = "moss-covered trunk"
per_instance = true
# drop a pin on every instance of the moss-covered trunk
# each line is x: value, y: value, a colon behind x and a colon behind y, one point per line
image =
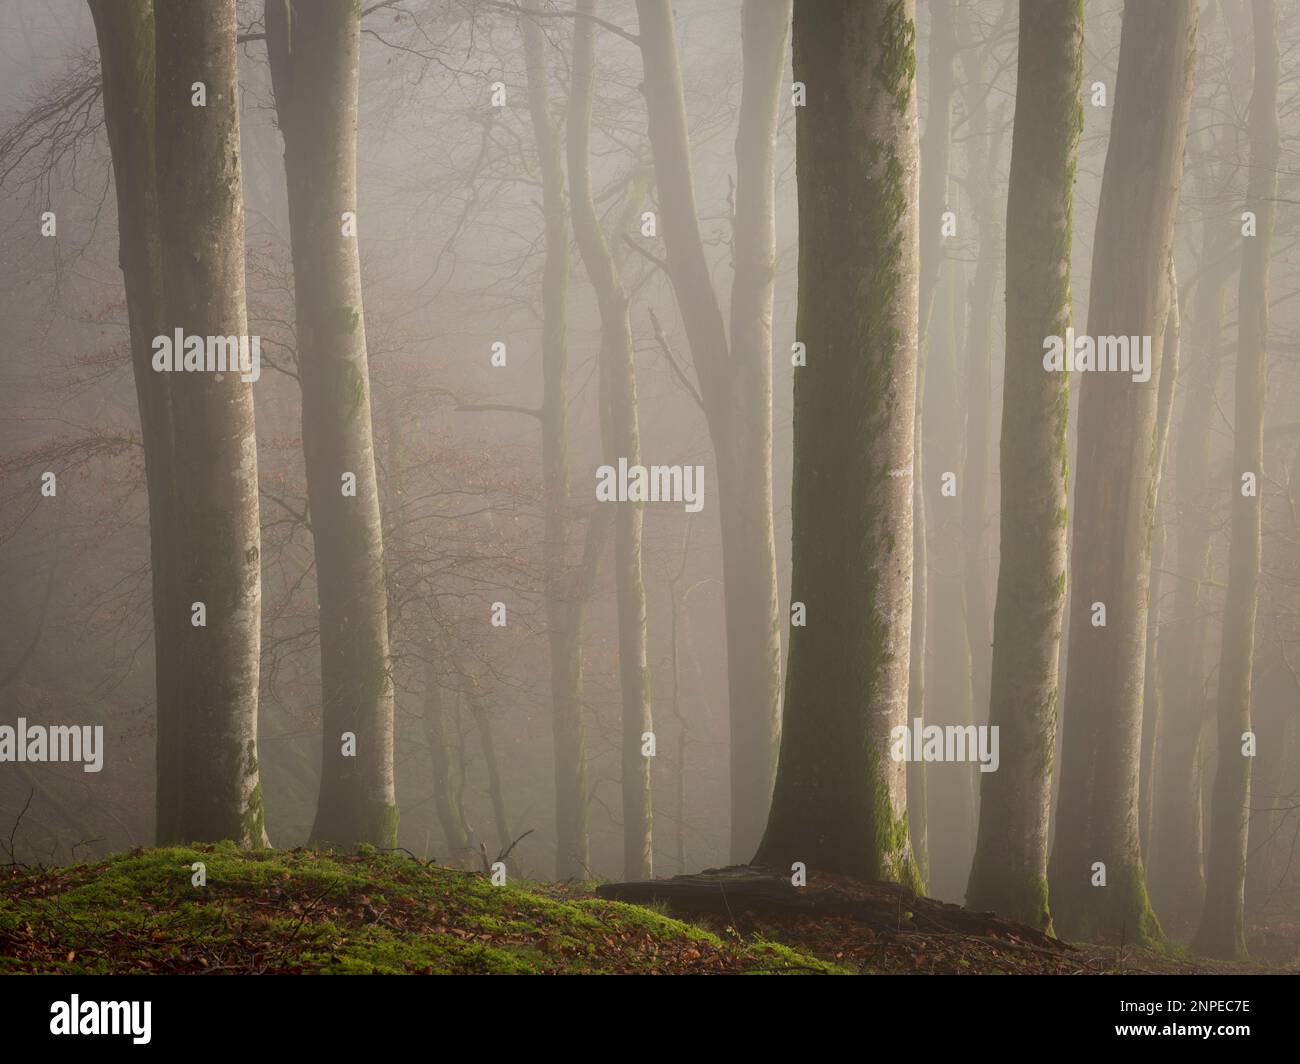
x: 840, y: 798
x: 1009, y: 875
x: 1222, y: 930
x: 314, y: 49
x: 1118, y: 478
x: 201, y: 223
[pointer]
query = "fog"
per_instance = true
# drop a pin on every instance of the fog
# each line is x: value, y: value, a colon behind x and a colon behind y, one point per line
x: 562, y: 697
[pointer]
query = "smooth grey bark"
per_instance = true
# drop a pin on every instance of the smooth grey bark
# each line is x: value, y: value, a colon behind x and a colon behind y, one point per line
x: 984, y: 158
x: 1009, y: 873
x: 840, y: 799
x: 314, y: 49
x: 621, y: 438
x: 125, y: 33
x: 952, y: 800
x: 1175, y: 851
x: 936, y: 149
x: 735, y: 376
x: 201, y: 225
x: 1152, y: 692
x: 1118, y: 480
x: 1222, y: 930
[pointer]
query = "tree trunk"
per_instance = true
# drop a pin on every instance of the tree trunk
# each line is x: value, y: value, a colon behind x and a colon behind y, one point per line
x: 840, y: 798
x: 314, y: 49
x: 1151, y: 679
x: 936, y: 148
x: 736, y: 378
x: 564, y: 601
x: 1118, y: 480
x: 496, y: 793
x: 1009, y: 872
x: 622, y: 440
x: 201, y: 222
x: 1177, y: 878
x: 984, y: 156
x: 1222, y: 930
x: 125, y: 32
x: 444, y: 786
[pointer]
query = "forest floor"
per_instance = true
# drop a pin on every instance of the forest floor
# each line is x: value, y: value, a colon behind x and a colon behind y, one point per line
x: 879, y: 928
x: 301, y: 911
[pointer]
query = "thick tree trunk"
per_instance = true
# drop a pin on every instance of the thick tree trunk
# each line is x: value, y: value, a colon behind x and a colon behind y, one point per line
x: 840, y: 798
x: 1118, y: 480
x: 125, y: 32
x: 314, y: 49
x: 1009, y: 872
x: 736, y: 378
x: 1222, y: 930
x: 201, y: 221
x: 622, y: 440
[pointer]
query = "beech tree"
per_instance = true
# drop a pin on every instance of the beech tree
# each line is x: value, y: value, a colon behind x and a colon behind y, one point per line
x: 314, y: 50
x: 1009, y: 874
x: 840, y: 803
x: 621, y: 437
x: 1222, y: 930
x: 1098, y: 886
x: 1175, y: 853
x: 211, y: 747
x: 936, y: 150
x: 125, y: 33
x: 735, y: 372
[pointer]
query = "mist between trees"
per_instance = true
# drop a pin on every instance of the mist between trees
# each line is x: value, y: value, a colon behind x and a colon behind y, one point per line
x: 857, y: 434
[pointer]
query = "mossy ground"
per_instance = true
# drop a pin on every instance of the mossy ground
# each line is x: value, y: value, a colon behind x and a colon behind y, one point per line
x: 304, y: 911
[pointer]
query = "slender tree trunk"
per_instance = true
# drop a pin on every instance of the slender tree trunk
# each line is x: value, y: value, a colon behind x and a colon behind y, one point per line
x: 622, y: 440
x: 936, y: 147
x: 201, y: 222
x: 1275, y: 692
x: 444, y: 785
x: 840, y: 798
x: 1009, y: 872
x: 497, y: 794
x: 1151, y: 678
x: 1118, y: 482
x: 1177, y: 877
x: 563, y: 593
x: 126, y: 50
x: 984, y: 156
x: 315, y: 49
x: 736, y: 378
x: 1222, y: 930
x: 953, y: 788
